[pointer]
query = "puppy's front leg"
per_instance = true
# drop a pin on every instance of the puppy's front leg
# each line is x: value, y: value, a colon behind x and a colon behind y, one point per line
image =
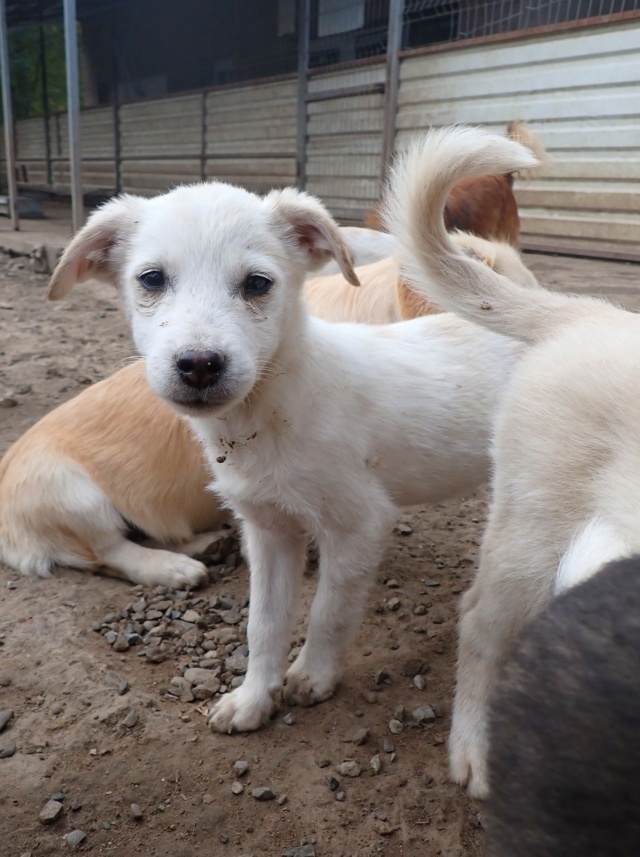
x: 347, y: 563
x: 277, y: 556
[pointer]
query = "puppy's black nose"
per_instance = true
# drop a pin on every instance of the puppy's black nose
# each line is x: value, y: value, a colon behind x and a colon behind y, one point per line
x: 200, y: 369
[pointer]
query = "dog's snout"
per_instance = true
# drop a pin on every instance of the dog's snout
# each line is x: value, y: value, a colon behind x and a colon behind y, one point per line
x: 200, y: 369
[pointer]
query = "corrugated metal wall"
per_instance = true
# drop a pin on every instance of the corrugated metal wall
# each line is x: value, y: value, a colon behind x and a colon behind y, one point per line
x: 579, y: 91
x: 344, y: 144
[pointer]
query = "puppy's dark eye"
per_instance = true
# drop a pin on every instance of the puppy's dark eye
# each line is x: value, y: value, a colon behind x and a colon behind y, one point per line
x: 256, y: 285
x: 153, y: 281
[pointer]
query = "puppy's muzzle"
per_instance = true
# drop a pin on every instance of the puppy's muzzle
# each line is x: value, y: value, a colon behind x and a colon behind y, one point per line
x: 200, y: 369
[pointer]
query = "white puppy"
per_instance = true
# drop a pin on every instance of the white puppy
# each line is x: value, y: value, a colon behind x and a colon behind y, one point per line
x: 310, y: 427
x: 567, y: 445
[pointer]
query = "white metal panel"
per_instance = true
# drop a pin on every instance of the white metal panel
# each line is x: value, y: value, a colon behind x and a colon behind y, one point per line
x: 344, y: 147
x: 579, y: 91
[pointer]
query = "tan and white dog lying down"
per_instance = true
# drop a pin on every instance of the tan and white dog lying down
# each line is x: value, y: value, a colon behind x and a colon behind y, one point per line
x: 567, y: 442
x: 384, y: 297
x: 310, y: 428
x: 117, y: 456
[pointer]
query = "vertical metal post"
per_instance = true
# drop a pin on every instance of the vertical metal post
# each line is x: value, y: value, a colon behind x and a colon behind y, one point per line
x: 9, y: 146
x: 394, y: 45
x: 73, y: 108
x: 304, y: 24
x: 45, y: 106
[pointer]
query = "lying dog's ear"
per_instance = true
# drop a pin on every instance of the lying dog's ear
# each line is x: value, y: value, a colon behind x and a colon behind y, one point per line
x: 313, y: 230
x: 90, y: 253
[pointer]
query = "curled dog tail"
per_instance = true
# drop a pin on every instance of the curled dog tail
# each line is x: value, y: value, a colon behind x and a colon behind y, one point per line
x: 521, y: 133
x: 430, y: 262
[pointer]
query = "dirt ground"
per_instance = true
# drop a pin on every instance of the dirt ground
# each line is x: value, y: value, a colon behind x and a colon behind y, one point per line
x: 60, y: 677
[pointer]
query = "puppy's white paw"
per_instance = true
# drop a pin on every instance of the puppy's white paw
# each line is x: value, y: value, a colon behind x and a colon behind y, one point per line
x: 242, y: 710
x: 307, y: 686
x: 179, y: 572
x: 468, y: 761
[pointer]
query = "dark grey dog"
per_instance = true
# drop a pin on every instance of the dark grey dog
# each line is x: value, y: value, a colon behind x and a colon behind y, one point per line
x: 565, y: 727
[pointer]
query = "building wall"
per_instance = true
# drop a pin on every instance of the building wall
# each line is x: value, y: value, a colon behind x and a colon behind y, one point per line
x: 578, y: 90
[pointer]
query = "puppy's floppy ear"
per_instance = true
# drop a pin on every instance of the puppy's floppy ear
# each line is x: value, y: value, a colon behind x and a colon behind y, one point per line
x: 91, y: 251
x: 313, y: 230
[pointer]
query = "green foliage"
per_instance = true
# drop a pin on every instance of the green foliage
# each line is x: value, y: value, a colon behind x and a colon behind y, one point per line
x: 25, y: 53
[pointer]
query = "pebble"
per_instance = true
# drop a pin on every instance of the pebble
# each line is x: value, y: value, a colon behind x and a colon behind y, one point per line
x: 300, y: 851
x: 383, y: 676
x: 388, y: 746
x: 75, y: 806
x: 282, y: 800
x: 394, y: 604
x: 241, y: 767
x: 424, y: 714
x: 340, y: 796
x: 131, y: 719
x: 75, y: 838
x: 360, y: 737
x: 120, y: 644
x: 5, y: 680
x: 400, y: 713
x: 332, y: 783
x: 420, y: 682
x: 50, y: 812
x: 289, y: 719
x: 324, y: 763
x: 395, y: 727
x: 5, y: 717
x: 376, y: 764
x: 350, y: 768
x: 7, y: 750
x: 59, y: 796
x: 263, y: 793
x: 403, y: 529
x: 238, y: 788
x: 236, y: 664
x: 136, y: 811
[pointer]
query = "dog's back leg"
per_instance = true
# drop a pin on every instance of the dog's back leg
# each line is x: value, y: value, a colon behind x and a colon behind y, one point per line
x: 55, y: 514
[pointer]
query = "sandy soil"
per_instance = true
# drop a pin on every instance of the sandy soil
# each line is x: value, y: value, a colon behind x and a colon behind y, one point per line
x: 60, y: 677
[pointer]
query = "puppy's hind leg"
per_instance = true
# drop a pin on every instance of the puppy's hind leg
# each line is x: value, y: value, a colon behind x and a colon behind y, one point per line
x: 508, y: 591
x: 347, y: 564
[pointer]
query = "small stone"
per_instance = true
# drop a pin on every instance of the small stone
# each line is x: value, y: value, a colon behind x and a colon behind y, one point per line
x: 136, y: 811
x: 300, y: 851
x: 12, y: 584
x: 131, y: 719
x: 403, y: 529
x: 360, y: 737
x: 50, y: 812
x: 201, y: 677
x: 340, y: 796
x: 237, y: 788
x: 5, y: 680
x: 7, y: 750
x: 120, y: 644
x: 106, y: 825
x: 420, y: 682
x: 111, y: 637
x: 8, y: 402
x: 419, y: 610
x: 59, y: 796
x: 424, y: 714
x: 431, y: 582
x: 400, y: 713
x: 207, y: 798
x: 75, y: 806
x: 191, y: 616
x: 376, y: 764
x: 394, y: 604
x: 263, y: 793
x: 393, y: 584
x: 5, y: 717
x: 350, y: 768
x: 289, y: 719
x: 236, y: 664
x: 388, y: 746
x: 332, y: 783
x: 383, y: 676
x: 282, y: 800
x: 241, y: 767
x: 324, y: 763
x: 75, y: 838
x: 395, y: 727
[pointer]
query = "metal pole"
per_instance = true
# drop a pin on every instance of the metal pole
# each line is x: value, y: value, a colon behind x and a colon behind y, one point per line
x: 304, y: 22
x: 73, y: 108
x: 8, y: 118
x: 45, y: 106
x: 394, y: 45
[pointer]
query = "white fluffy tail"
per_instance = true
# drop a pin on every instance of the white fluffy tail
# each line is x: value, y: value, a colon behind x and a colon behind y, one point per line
x: 434, y: 267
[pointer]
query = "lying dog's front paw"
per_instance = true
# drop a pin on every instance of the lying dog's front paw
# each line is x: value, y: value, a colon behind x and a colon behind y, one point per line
x: 307, y: 687
x: 241, y: 711
x: 468, y: 763
x: 178, y: 571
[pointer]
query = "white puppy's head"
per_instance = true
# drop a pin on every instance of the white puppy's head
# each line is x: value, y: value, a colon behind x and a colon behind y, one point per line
x: 210, y: 277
